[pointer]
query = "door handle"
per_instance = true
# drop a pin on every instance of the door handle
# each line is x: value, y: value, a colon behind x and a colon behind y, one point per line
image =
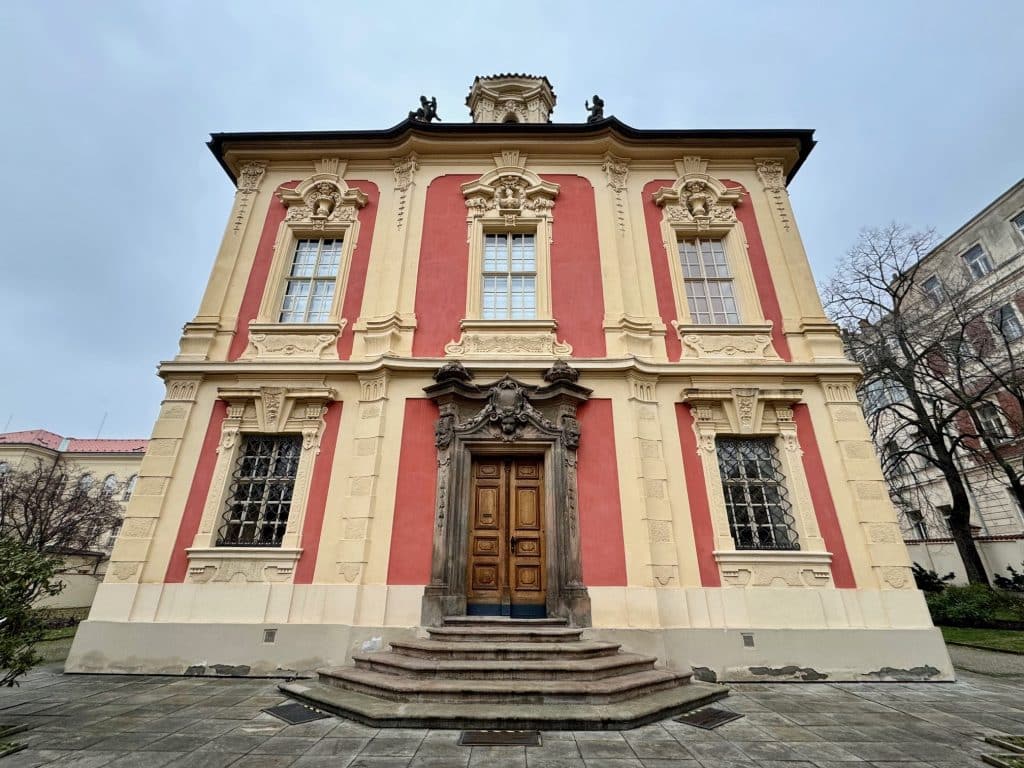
x: 512, y: 545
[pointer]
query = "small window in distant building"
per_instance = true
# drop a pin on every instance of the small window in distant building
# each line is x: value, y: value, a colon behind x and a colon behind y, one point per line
x: 708, y: 282
x: 86, y: 481
x: 917, y: 524
x: 1018, y: 222
x: 110, y: 484
x: 264, y: 477
x: 309, y: 292
x: 129, y: 488
x: 932, y: 288
x: 1007, y: 323
x: 755, y: 494
x: 4, y: 468
x: 114, y: 531
x: 509, y: 277
x: 978, y: 262
x: 991, y: 421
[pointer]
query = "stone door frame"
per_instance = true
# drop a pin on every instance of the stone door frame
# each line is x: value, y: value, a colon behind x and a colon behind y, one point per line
x: 506, y: 417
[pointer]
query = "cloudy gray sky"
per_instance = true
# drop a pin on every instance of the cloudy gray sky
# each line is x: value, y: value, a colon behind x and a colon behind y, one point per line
x: 113, y: 208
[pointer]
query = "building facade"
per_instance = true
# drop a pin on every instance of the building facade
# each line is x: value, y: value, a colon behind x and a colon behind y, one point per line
x: 512, y: 367
x: 111, y: 466
x: 977, y: 271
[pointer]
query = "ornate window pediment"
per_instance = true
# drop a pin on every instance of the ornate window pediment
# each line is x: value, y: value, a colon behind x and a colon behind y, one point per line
x: 324, y: 200
x: 510, y: 192
x: 697, y: 202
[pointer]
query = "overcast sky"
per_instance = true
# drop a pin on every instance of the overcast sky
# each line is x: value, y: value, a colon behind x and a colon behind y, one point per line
x: 113, y: 208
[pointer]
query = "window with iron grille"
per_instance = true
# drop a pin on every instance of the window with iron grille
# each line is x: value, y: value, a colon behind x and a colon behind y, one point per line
x: 309, y: 292
x: 708, y: 283
x: 509, y: 277
x: 755, y: 494
x: 978, y: 261
x: 261, y: 491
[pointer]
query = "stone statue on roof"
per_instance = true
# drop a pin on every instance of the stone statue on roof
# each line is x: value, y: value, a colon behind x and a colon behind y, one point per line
x: 596, y: 111
x: 427, y: 110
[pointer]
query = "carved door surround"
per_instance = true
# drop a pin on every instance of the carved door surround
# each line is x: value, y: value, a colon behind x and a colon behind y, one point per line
x: 700, y: 205
x: 506, y: 417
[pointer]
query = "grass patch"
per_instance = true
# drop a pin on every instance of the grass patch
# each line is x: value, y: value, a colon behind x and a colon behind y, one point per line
x: 60, y: 633
x: 995, y: 639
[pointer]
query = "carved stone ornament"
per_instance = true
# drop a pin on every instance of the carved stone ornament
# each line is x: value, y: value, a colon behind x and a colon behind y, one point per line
x: 472, y: 417
x: 773, y: 176
x: 561, y: 371
x: 697, y: 201
x: 726, y: 346
x: 517, y: 344
x: 275, y: 343
x: 250, y: 174
x: 616, y: 171
x: 324, y: 199
x: 739, y: 410
x: 511, y: 98
x: 510, y: 192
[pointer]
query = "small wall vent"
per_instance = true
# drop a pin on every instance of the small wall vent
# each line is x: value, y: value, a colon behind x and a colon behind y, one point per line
x: 748, y: 639
x: 269, y: 635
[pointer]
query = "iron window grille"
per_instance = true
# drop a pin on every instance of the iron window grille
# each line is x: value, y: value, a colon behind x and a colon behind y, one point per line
x: 309, y: 292
x: 509, y: 277
x: 756, y: 499
x: 709, y: 285
x: 261, y: 492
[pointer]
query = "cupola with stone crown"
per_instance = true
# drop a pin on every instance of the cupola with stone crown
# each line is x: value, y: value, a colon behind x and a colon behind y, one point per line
x: 511, y: 98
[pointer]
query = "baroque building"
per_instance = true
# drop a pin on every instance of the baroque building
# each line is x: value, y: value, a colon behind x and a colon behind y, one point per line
x: 576, y: 372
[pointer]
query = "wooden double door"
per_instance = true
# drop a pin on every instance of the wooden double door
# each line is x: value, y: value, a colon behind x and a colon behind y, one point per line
x: 506, y: 575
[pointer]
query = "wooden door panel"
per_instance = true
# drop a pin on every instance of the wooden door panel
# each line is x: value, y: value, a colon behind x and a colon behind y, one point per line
x: 527, y: 528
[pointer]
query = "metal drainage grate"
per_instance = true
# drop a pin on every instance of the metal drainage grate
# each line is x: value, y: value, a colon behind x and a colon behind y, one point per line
x: 295, y: 713
x: 708, y: 718
x: 499, y: 739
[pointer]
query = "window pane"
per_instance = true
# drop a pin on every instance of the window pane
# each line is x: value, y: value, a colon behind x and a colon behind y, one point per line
x: 523, y: 254
x: 330, y: 259
x: 305, y: 258
x: 495, y: 253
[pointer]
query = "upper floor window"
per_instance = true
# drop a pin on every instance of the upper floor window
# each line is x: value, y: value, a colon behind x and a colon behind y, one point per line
x: 4, y: 468
x: 932, y: 288
x: 978, y: 262
x: 1007, y: 323
x: 114, y: 531
x: 755, y: 494
x: 110, y: 484
x: 509, y: 277
x: 86, y: 481
x: 309, y: 291
x: 1018, y: 222
x: 918, y: 526
x: 708, y: 282
x: 129, y: 488
x: 261, y: 491
x: 991, y: 421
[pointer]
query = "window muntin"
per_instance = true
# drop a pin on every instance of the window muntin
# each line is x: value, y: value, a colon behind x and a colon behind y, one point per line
x: 129, y: 488
x: 918, y: 526
x: 990, y: 421
x: 261, y: 491
x: 932, y: 288
x: 509, y: 277
x: 756, y: 500
x: 708, y: 282
x: 1018, y: 222
x: 114, y: 531
x: 309, y: 290
x: 978, y: 261
x: 1007, y: 323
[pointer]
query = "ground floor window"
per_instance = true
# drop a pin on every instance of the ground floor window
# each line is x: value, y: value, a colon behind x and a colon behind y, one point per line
x: 755, y: 494
x: 261, y: 491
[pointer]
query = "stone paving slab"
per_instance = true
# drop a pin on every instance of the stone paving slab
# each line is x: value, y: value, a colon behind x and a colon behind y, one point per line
x: 122, y: 721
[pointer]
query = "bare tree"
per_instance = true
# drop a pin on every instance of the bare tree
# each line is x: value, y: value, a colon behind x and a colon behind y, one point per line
x: 914, y: 349
x: 55, y: 508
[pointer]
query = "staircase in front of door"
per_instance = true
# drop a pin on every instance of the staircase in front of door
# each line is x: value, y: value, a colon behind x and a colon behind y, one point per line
x: 501, y: 673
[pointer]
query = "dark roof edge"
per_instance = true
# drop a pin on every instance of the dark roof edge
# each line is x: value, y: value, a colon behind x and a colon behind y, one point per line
x: 804, y: 136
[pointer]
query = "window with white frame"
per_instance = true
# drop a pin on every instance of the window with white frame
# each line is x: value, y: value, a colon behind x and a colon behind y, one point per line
x: 309, y: 289
x: 978, y: 261
x: 129, y: 488
x: 708, y: 282
x: 756, y: 500
x: 261, y: 491
x: 918, y: 526
x: 1018, y: 222
x: 932, y: 288
x: 1007, y: 323
x: 991, y: 421
x: 509, y: 276
x: 114, y: 531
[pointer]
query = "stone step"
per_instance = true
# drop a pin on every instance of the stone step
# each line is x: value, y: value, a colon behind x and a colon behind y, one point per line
x: 502, y: 634
x: 587, y: 668
x: 383, y: 713
x: 436, y: 649
x: 400, y: 688
x: 502, y: 621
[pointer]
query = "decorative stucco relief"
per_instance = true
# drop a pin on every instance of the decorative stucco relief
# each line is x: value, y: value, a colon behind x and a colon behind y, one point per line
x: 697, y: 201
x: 773, y: 178
x: 289, y: 343
x: 521, y: 344
x: 726, y: 346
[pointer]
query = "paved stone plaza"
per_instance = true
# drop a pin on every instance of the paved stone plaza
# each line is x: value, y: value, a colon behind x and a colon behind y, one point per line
x: 148, y: 721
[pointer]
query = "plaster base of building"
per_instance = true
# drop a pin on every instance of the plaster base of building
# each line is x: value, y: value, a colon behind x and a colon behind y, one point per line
x: 796, y: 634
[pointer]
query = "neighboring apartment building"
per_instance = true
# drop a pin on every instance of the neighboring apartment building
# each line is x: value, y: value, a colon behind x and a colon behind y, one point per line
x: 520, y: 368
x: 980, y: 268
x: 110, y: 464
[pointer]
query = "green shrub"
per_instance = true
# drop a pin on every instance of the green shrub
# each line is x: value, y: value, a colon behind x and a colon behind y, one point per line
x: 929, y: 581
x: 25, y: 576
x: 975, y: 605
